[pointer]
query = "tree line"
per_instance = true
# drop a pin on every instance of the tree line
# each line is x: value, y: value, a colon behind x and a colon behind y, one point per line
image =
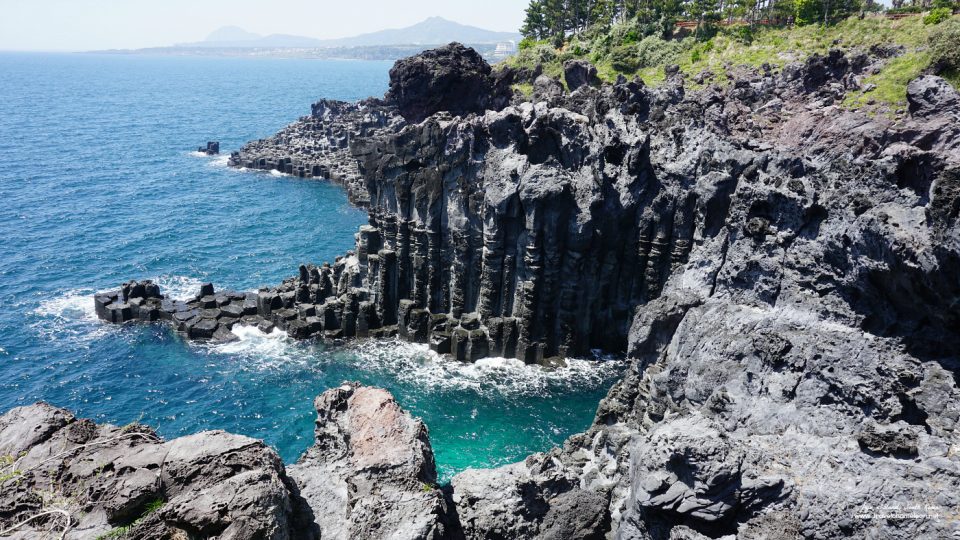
x: 558, y: 19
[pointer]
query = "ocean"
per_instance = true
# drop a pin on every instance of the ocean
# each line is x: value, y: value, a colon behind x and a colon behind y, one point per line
x: 100, y: 183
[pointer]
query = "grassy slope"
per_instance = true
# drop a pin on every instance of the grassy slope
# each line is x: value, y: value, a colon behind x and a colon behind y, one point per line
x: 778, y: 46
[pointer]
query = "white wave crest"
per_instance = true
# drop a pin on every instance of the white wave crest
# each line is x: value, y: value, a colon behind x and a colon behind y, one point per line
x: 274, y: 172
x: 268, y: 348
x: 417, y: 364
x: 73, y: 305
x: 178, y: 287
x: 69, y: 316
x: 220, y: 160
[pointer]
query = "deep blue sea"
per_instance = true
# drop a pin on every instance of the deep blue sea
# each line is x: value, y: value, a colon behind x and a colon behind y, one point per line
x: 99, y: 184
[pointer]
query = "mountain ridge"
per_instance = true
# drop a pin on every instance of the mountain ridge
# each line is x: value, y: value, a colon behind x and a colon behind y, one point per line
x: 431, y: 31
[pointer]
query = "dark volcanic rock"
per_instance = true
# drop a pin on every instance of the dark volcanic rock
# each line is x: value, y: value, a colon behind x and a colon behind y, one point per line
x: 578, y: 73
x: 453, y: 78
x: 781, y: 272
x: 929, y: 96
x: 211, y: 149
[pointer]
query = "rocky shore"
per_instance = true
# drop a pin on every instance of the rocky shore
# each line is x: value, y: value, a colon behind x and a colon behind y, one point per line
x: 783, y: 273
x: 370, y: 474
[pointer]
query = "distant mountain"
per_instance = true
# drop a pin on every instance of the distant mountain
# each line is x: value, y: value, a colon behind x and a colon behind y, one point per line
x: 232, y: 33
x: 432, y: 31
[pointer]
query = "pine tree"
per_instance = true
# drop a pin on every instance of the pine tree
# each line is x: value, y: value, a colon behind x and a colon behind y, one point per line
x: 534, y: 25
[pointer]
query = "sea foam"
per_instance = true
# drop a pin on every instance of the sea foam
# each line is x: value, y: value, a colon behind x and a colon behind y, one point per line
x: 417, y: 364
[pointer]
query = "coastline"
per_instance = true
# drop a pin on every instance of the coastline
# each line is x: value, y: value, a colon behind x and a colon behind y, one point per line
x: 746, y: 376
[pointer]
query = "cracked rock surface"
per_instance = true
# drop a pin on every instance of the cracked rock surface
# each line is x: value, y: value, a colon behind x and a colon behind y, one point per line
x: 208, y: 485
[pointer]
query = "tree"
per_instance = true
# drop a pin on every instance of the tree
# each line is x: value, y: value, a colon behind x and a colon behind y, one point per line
x: 534, y: 25
x: 705, y: 12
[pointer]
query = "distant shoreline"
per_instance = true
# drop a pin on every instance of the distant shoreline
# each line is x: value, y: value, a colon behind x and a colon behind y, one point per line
x: 373, y: 52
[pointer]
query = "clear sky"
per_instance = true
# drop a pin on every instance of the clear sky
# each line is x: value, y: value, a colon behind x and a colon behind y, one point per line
x: 78, y: 25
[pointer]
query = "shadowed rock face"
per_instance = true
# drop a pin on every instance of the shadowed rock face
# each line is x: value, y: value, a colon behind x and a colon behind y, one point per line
x: 784, y: 274
x: 453, y: 78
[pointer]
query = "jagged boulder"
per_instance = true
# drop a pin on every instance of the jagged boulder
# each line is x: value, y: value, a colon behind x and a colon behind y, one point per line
x: 578, y: 73
x: 453, y: 78
x: 75, y: 477
x: 929, y: 95
x: 546, y: 88
x: 371, y: 472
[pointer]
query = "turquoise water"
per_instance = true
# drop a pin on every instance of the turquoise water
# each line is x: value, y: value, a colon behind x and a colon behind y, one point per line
x: 99, y: 185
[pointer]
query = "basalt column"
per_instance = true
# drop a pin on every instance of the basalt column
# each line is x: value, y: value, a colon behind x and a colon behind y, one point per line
x: 527, y: 292
x: 387, y: 300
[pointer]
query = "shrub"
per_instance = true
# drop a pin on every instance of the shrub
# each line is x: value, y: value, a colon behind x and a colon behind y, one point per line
x: 538, y: 54
x: 943, y: 4
x: 741, y: 33
x: 653, y: 51
x: 907, y: 9
x: 937, y: 16
x: 578, y: 48
x: 623, y: 58
x: 945, y: 46
x: 526, y: 43
x: 624, y: 34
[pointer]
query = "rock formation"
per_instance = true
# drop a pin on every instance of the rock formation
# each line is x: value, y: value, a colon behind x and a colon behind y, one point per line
x: 371, y: 472
x: 83, y: 480
x: 783, y: 273
x: 211, y: 149
x: 370, y: 475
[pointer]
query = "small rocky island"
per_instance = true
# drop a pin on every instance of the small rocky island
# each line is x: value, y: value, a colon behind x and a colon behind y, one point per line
x: 782, y: 272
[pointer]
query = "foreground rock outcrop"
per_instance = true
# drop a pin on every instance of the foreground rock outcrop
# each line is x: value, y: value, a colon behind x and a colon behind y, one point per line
x: 71, y: 476
x: 783, y: 273
x: 370, y: 474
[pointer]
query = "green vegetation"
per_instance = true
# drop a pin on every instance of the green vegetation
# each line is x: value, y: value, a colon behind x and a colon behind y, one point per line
x: 121, y: 532
x: 945, y: 47
x: 891, y: 83
x: 557, y: 20
x: 628, y: 48
x: 7, y: 471
x: 8, y: 475
x: 937, y: 16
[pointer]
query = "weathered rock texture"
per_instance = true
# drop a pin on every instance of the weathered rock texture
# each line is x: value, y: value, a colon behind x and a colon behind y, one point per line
x: 370, y: 475
x: 783, y: 272
x: 71, y: 476
x: 371, y: 472
x: 795, y: 366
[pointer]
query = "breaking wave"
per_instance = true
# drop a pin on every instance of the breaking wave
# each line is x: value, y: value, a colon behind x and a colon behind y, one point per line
x: 416, y: 365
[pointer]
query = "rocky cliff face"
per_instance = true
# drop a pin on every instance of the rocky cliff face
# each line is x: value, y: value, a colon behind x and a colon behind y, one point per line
x: 784, y: 274
x: 795, y: 370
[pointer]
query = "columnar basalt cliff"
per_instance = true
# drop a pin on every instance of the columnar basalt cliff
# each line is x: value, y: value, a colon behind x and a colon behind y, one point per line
x: 783, y: 273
